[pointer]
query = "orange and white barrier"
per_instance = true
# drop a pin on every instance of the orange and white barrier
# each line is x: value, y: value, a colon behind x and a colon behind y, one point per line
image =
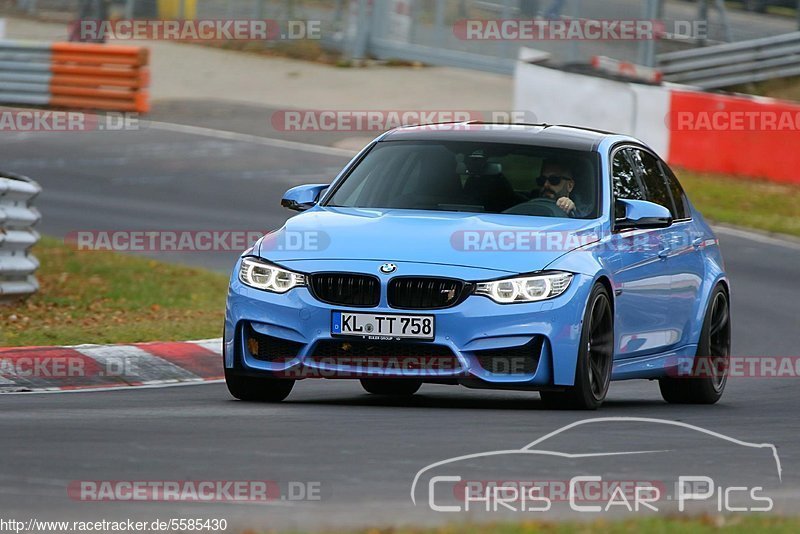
x: 719, y: 133
x: 75, y: 75
x: 626, y: 69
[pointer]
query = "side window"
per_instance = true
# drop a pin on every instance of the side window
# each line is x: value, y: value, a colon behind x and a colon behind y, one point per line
x: 626, y: 184
x: 654, y: 181
x: 678, y: 195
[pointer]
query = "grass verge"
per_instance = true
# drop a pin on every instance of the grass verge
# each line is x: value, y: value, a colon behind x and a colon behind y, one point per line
x: 745, y: 202
x: 103, y: 297
x: 783, y: 88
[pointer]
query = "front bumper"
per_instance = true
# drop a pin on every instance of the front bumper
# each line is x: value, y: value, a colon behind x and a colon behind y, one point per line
x: 477, y: 343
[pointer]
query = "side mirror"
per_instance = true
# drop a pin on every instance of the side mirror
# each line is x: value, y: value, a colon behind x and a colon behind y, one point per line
x: 641, y: 215
x: 303, y: 197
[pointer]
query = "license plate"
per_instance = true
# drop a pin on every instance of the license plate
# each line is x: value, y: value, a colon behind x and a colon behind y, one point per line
x: 380, y: 326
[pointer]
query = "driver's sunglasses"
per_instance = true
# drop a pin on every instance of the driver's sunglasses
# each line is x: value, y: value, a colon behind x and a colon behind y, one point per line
x: 554, y: 180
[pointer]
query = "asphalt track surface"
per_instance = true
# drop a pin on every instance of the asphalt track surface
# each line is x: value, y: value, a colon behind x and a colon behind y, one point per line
x: 363, y: 451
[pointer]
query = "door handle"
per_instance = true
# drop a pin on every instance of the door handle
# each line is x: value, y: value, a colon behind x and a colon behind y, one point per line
x: 663, y: 253
x: 697, y: 243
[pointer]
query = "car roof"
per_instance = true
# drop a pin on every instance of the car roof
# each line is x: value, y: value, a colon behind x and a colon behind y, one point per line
x: 542, y: 135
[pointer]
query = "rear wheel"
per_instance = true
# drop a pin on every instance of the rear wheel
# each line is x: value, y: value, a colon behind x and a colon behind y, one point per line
x: 595, y: 358
x: 396, y: 387
x: 258, y: 389
x: 710, y: 367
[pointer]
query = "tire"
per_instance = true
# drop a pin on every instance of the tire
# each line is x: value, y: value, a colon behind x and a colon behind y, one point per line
x: 714, y: 348
x: 595, y: 358
x: 395, y: 387
x: 258, y: 389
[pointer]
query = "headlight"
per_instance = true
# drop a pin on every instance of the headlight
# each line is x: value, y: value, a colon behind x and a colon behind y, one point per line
x: 261, y: 275
x: 525, y: 289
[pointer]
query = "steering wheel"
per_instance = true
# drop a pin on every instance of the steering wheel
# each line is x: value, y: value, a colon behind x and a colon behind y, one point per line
x: 542, y: 207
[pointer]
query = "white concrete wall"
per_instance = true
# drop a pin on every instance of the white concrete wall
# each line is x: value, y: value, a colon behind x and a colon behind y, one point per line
x: 558, y: 97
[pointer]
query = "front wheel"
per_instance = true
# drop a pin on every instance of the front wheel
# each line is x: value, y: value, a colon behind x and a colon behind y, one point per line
x: 396, y: 387
x: 595, y: 358
x: 258, y: 389
x: 710, y: 366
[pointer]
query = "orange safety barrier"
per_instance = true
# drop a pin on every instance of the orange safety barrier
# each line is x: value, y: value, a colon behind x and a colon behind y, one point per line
x: 85, y: 81
x: 99, y: 76
x: 728, y: 134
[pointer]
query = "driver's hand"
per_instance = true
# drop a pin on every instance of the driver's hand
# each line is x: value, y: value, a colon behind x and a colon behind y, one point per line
x: 566, y: 204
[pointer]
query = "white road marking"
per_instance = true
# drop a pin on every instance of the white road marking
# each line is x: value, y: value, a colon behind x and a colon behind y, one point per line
x: 248, y: 138
x: 757, y: 237
x: 149, y: 385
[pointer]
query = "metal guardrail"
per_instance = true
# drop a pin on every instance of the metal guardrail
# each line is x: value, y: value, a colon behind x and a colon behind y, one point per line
x: 714, y: 67
x: 17, y: 236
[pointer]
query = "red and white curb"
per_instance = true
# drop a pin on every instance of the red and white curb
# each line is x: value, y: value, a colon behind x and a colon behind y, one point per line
x: 110, y: 366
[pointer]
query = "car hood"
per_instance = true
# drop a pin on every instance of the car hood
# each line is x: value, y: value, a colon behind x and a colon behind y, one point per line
x: 495, y: 242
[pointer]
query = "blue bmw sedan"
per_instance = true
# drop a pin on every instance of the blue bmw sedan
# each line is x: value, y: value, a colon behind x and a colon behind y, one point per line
x: 527, y: 257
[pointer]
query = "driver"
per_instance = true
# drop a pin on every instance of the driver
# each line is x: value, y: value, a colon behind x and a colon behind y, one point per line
x: 557, y: 183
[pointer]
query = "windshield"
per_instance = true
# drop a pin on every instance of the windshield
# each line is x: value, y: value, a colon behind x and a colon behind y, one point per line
x: 473, y: 177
